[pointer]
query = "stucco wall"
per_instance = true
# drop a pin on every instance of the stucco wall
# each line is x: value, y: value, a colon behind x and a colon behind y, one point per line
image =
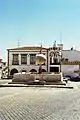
x: 27, y: 67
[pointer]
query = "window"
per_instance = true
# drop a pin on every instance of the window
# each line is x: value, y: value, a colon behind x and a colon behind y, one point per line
x: 15, y: 60
x: 4, y: 63
x: 66, y: 59
x: 54, y: 69
x: 50, y: 60
x: 23, y: 58
x: 54, y: 61
x: 32, y: 59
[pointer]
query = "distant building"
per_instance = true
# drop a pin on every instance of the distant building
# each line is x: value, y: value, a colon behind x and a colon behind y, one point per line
x: 2, y: 64
x: 3, y: 68
x: 24, y: 59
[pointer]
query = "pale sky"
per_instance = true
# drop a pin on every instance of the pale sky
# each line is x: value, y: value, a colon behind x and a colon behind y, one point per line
x: 36, y: 21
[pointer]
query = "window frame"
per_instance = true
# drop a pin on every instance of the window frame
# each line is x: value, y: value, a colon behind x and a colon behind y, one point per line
x: 15, y: 61
x: 32, y: 63
x: 22, y: 55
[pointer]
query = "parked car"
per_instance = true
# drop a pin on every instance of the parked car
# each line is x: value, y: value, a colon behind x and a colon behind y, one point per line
x: 74, y: 78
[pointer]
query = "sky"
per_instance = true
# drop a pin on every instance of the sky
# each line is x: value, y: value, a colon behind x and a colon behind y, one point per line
x: 32, y: 22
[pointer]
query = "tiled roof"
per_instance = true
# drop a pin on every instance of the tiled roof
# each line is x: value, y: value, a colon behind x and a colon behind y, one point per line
x: 28, y: 48
x: 73, y: 55
x: 71, y: 50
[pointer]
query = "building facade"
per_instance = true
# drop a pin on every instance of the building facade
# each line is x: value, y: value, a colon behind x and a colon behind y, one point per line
x: 24, y: 59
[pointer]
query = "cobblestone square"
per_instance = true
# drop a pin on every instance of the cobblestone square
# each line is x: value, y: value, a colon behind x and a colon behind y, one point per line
x: 39, y: 103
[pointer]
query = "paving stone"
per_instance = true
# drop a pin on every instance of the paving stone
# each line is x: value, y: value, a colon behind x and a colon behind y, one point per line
x: 39, y: 104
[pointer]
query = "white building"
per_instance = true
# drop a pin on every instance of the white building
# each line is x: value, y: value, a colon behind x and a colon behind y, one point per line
x: 71, y: 62
x: 24, y: 58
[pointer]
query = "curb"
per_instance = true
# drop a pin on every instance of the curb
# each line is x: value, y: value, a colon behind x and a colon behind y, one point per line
x: 48, y: 86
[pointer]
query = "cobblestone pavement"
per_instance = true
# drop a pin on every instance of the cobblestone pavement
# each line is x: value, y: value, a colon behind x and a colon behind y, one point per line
x: 39, y: 104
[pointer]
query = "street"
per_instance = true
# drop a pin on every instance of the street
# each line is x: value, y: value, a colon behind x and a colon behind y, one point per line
x: 26, y: 103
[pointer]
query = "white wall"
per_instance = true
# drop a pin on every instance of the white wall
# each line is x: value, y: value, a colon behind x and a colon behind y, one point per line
x: 69, y: 69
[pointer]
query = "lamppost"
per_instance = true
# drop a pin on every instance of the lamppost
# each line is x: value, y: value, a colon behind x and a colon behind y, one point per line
x: 40, y: 66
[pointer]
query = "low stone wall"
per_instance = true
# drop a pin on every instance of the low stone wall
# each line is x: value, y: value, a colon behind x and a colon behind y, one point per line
x: 50, y: 77
x: 19, y: 77
x: 26, y: 77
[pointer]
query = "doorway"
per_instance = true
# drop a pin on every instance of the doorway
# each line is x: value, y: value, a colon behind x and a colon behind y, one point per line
x: 54, y: 69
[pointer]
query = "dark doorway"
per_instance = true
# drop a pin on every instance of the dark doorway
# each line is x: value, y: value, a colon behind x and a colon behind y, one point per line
x: 13, y: 71
x: 54, y: 69
x: 23, y: 70
x: 33, y: 70
x: 43, y: 70
x: 55, y: 61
